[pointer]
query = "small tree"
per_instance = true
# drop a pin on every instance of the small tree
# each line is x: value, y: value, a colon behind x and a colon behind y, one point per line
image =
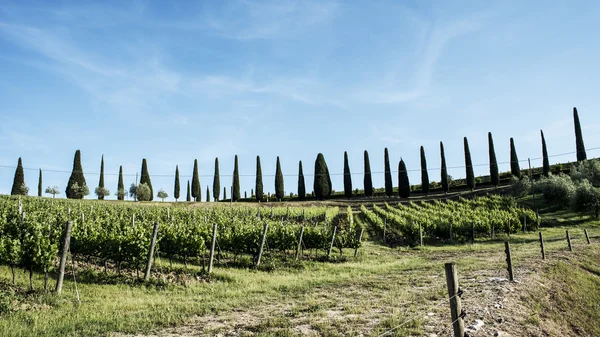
x: 224, y: 193
x: 52, y: 190
x: 120, y: 185
x: 145, y: 179
x: 389, y: 187
x: 235, y: 193
x: 162, y: 194
x: 40, y: 184
x: 279, y: 190
x: 207, y: 194
x: 259, y: 182
x: 494, y: 176
x: 101, y: 192
x: 444, y: 171
x: 216, y: 182
x: 177, y: 189
x: 470, y: 176
x: 368, y: 182
x: 321, y: 186
x: 189, y: 195
x: 144, y: 192
x: 133, y: 191
x: 581, y: 155
x: 347, y: 177
x: 79, y: 191
x: 515, y: 170
x: 23, y: 189
x: 196, y: 182
x: 19, y: 180
x: 424, y: 173
x: 545, y: 160
x: 301, y: 185
x: 403, y: 182
x: 76, y: 178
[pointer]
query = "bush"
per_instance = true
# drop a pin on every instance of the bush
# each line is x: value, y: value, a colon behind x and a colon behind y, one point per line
x: 143, y: 192
x: 557, y: 189
x: 586, y: 170
x: 520, y: 187
x: 586, y: 198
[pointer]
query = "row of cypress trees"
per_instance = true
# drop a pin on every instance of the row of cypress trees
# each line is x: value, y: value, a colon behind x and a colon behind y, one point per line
x: 77, y: 188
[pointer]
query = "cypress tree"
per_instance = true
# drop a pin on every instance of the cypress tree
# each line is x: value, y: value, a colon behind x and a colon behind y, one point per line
x: 469, y: 166
x: 120, y: 185
x: 207, y: 194
x: 328, y: 180
x: 236, y: 181
x: 494, y: 176
x: 546, y: 162
x: 301, y: 185
x: 515, y: 170
x: 176, y: 190
x: 403, y: 182
x: 224, y: 193
x: 279, y: 190
x: 101, y: 181
x: 368, y: 182
x: 76, y: 178
x: 19, y: 180
x: 145, y: 178
x: 347, y: 177
x: 259, y: 183
x: 40, y: 184
x: 195, y: 182
x: 444, y: 173
x: 321, y: 186
x: 424, y: 173
x: 189, y: 194
x: 216, y: 182
x: 581, y: 155
x: 389, y: 187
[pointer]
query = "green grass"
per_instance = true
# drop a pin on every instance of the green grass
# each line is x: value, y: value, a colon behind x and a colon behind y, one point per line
x: 380, y: 289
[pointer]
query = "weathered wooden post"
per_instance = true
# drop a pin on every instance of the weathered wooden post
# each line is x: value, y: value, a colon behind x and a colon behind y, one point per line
x: 262, y: 244
x: 299, y: 248
x: 569, y: 241
x: 587, y: 237
x: 508, y: 261
x: 212, y: 249
x: 458, y: 325
x: 384, y: 228
x: 151, y: 252
x: 63, y: 257
x: 332, y: 240
x: 542, y: 246
x: 359, y: 241
x: 420, y: 235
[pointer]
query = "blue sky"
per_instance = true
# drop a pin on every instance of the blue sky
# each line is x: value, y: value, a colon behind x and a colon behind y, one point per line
x: 174, y: 81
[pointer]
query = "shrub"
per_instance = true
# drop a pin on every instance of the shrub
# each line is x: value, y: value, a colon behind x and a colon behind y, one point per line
x: 557, y: 189
x: 520, y: 187
x: 143, y: 192
x: 586, y: 170
x: 586, y: 198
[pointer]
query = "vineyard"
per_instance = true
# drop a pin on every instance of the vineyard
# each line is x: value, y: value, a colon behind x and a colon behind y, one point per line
x: 118, y: 234
x: 450, y: 220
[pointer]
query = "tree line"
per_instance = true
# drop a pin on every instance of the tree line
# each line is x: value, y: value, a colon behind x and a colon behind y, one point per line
x: 322, y: 188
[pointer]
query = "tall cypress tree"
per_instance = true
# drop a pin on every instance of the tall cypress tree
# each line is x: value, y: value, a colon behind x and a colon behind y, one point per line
x: 301, y: 185
x: 40, y: 184
x: 196, y: 182
x: 216, y: 181
x: 224, y: 193
x: 368, y: 181
x: 347, y: 177
x: 515, y: 170
x: 424, y: 173
x: 545, y: 160
x: 259, y: 182
x: 581, y: 155
x: 328, y: 179
x: 469, y: 166
x: 389, y: 187
x: 279, y: 190
x: 120, y: 185
x: 189, y: 194
x: 145, y: 178
x: 76, y: 177
x: 207, y: 194
x: 403, y: 182
x: 177, y: 189
x: 494, y: 176
x: 19, y: 180
x: 444, y: 171
x: 101, y: 181
x: 322, y: 184
x: 236, y: 181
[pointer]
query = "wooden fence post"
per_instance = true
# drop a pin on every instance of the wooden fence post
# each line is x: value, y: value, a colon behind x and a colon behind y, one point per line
x: 359, y: 240
x: 508, y: 261
x: 473, y: 232
x: 212, y: 249
x: 458, y: 324
x: 262, y: 243
x: 298, y: 249
x: 569, y: 241
x: 332, y: 240
x: 542, y: 246
x: 587, y: 237
x: 151, y: 252
x: 63, y: 257
x: 420, y: 235
x: 384, y: 228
